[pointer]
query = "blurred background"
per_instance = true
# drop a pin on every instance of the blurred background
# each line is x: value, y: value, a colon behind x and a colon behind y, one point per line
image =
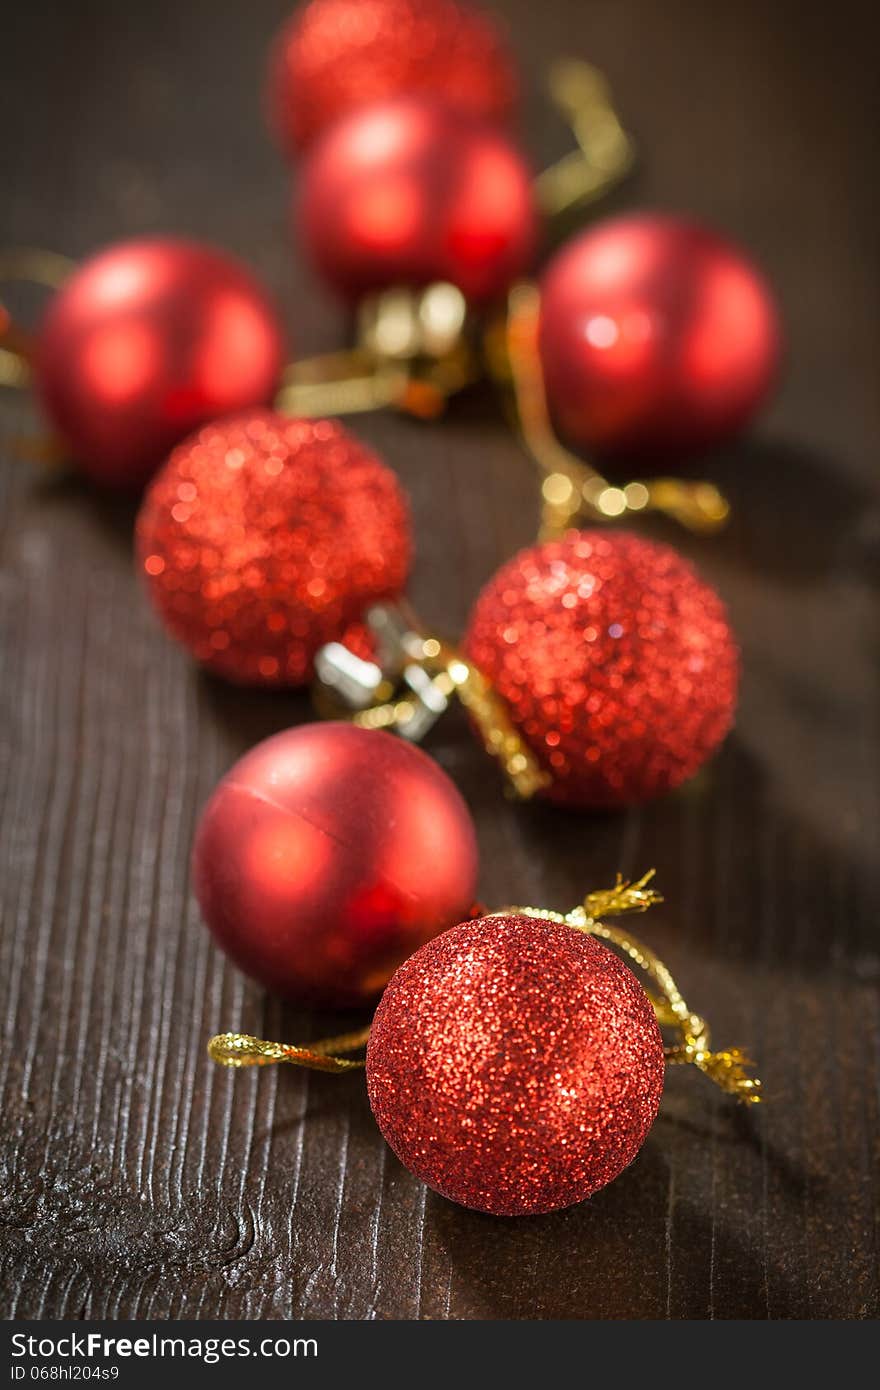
x: 137, y: 1181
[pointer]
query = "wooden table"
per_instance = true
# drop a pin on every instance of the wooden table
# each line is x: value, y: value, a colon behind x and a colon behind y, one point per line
x: 138, y: 1180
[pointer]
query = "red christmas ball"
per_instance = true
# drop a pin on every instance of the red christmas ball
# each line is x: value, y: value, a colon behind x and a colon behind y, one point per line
x: 515, y: 1065
x: 409, y: 193
x: 657, y: 338
x: 326, y: 855
x: 146, y: 341
x: 615, y: 660
x: 263, y: 537
x: 335, y: 55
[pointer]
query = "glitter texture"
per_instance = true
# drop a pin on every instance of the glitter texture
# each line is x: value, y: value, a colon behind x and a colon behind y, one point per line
x: 335, y: 55
x: 615, y: 659
x: 263, y: 537
x: 515, y: 1065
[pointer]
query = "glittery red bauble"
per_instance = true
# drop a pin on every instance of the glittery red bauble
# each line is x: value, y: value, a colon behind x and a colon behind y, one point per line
x: 335, y: 55
x: 515, y: 1065
x: 408, y: 193
x: 146, y: 341
x: 615, y: 660
x: 263, y: 537
x: 657, y: 338
x: 327, y: 855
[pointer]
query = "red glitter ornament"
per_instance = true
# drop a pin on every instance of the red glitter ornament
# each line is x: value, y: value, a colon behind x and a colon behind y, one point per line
x: 335, y: 55
x: 615, y: 660
x: 263, y: 537
x: 657, y: 338
x: 327, y: 855
x: 144, y: 342
x: 408, y: 193
x: 515, y: 1065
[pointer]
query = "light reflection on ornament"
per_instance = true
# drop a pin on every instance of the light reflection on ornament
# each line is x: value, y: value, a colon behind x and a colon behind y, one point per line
x: 327, y: 855
x: 411, y: 193
x: 657, y: 338
x: 144, y: 342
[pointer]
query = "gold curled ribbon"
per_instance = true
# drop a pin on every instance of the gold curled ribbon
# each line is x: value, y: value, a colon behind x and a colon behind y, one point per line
x: 728, y: 1069
x: 571, y: 488
x: 605, y: 152
x: 452, y: 673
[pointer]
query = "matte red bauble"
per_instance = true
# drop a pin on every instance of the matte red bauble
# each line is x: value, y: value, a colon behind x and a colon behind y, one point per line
x: 262, y: 538
x: 327, y: 855
x: 657, y: 338
x: 146, y: 341
x: 615, y: 660
x: 409, y: 193
x: 515, y: 1065
x: 335, y: 55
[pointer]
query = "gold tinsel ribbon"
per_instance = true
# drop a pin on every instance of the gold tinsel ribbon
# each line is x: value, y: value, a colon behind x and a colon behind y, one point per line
x: 571, y: 488
x: 729, y: 1069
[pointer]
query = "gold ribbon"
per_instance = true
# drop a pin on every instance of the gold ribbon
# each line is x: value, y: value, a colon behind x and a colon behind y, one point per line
x: 571, y: 488
x: 605, y: 152
x: 243, y: 1050
x: 413, y: 352
x: 728, y: 1069
x: 30, y: 265
x: 453, y: 674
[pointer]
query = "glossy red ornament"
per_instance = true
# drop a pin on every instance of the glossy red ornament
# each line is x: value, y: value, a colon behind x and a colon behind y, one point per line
x: 615, y: 660
x: 144, y: 342
x: 408, y: 193
x: 262, y: 538
x: 658, y: 338
x: 326, y: 855
x: 515, y: 1065
x: 335, y: 55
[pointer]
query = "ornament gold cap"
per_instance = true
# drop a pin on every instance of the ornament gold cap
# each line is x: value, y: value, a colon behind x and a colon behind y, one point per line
x: 410, y: 686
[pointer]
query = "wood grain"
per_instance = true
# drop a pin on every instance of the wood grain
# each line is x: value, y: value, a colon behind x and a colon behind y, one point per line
x: 135, y: 1180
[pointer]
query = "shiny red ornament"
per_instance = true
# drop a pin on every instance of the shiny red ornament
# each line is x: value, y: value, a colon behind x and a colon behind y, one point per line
x: 263, y: 537
x: 615, y: 660
x: 515, y: 1065
x: 144, y: 342
x: 335, y: 55
x: 326, y: 855
x: 409, y: 193
x: 658, y: 338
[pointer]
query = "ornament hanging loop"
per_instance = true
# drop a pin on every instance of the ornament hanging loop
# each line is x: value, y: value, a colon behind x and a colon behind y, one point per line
x: 728, y: 1069
x: 572, y: 490
x: 242, y: 1050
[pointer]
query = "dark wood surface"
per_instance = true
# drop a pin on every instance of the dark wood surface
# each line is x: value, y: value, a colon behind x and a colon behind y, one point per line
x: 137, y: 1180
